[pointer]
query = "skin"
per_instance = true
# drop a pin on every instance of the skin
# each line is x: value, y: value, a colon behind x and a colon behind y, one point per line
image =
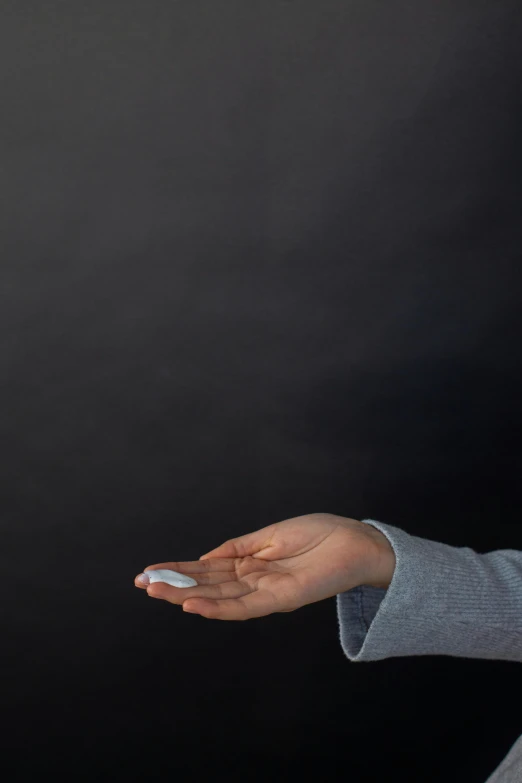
x: 280, y: 568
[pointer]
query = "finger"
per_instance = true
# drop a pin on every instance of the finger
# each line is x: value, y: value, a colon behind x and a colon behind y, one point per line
x: 197, y: 566
x: 177, y: 595
x: 243, y: 546
x: 210, y: 578
x: 257, y: 604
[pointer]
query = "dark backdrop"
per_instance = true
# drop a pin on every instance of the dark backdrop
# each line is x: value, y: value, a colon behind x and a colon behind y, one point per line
x: 258, y: 260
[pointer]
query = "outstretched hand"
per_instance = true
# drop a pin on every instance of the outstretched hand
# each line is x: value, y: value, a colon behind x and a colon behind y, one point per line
x: 280, y: 568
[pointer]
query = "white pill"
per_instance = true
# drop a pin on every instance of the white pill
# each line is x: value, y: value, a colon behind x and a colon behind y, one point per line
x: 171, y: 578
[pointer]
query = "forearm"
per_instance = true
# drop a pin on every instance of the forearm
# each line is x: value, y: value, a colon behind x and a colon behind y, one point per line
x: 441, y: 600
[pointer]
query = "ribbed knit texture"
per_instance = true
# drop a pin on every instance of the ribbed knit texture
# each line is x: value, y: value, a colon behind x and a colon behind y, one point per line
x: 442, y: 600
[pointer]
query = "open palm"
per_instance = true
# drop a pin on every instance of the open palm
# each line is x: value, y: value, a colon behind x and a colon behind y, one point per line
x: 278, y: 568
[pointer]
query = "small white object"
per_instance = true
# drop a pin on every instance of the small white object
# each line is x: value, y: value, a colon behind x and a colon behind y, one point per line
x: 173, y: 578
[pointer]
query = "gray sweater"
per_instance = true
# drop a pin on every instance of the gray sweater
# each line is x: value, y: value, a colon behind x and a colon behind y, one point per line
x: 442, y: 600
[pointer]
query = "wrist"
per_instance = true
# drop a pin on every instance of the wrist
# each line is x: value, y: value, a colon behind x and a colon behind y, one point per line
x: 382, y: 566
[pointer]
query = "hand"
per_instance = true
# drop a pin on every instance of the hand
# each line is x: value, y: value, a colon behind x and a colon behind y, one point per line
x: 281, y: 567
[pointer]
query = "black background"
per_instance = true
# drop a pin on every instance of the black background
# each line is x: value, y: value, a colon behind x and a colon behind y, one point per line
x: 258, y: 260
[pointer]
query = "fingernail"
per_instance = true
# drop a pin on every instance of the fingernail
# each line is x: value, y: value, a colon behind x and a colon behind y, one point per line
x: 144, y: 579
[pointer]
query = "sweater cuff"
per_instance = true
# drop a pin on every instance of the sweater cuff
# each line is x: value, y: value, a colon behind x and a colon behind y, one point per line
x: 442, y: 600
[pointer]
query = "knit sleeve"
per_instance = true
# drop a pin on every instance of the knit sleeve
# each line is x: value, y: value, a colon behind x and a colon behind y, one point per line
x: 442, y: 600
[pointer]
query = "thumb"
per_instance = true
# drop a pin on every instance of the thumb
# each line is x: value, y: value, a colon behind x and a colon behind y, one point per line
x: 251, y: 544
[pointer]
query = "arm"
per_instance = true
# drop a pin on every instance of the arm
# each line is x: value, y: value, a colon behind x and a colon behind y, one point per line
x: 441, y: 600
